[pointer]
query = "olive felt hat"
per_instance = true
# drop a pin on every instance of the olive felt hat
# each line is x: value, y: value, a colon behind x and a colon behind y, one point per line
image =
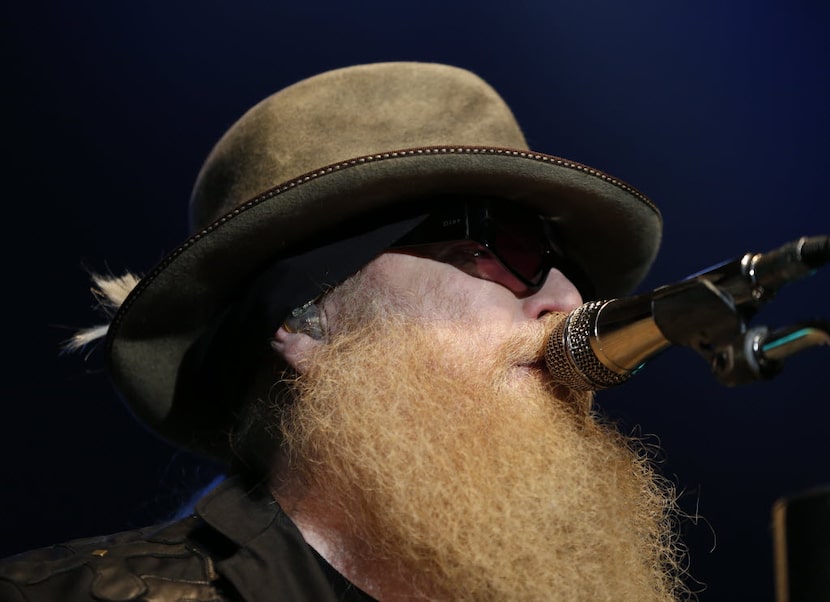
x: 324, y: 161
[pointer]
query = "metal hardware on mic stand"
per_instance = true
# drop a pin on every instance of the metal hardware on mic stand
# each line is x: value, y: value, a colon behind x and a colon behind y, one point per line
x: 759, y: 354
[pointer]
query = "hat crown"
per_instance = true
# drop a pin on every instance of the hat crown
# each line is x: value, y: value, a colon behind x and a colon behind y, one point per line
x: 344, y: 114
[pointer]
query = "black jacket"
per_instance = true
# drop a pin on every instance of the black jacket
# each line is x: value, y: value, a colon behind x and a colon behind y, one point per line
x: 238, y: 546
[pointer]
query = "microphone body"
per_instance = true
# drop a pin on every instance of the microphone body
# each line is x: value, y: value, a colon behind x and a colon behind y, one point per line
x: 602, y: 344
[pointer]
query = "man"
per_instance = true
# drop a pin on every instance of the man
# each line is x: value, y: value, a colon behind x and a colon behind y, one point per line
x: 356, y: 326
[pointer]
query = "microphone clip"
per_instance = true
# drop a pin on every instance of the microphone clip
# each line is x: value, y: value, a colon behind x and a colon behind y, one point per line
x: 702, y: 316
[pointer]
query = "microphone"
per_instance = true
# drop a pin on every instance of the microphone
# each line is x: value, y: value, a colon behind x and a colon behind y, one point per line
x: 602, y: 344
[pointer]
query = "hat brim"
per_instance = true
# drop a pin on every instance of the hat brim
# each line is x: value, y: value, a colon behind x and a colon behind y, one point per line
x: 611, y: 230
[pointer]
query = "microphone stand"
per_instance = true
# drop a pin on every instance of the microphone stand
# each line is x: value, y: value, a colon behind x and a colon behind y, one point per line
x: 705, y: 318
x: 759, y: 354
x: 709, y: 312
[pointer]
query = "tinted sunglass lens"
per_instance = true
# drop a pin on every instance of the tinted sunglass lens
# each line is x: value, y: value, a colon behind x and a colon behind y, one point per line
x: 522, y: 253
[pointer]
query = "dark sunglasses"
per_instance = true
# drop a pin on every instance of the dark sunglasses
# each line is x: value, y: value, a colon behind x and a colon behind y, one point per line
x: 506, y: 244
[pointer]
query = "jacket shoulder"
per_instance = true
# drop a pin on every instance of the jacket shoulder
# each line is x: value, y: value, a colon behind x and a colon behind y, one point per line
x: 167, y: 563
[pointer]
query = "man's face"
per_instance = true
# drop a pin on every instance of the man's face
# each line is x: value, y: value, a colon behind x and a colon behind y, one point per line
x: 428, y: 425
x: 441, y: 293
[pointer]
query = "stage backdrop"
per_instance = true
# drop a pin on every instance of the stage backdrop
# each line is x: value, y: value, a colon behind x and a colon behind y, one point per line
x: 717, y: 110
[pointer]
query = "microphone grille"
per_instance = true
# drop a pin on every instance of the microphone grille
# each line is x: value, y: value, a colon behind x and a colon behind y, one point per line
x: 569, y: 356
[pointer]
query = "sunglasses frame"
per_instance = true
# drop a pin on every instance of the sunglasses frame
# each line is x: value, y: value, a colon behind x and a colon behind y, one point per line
x: 483, y: 221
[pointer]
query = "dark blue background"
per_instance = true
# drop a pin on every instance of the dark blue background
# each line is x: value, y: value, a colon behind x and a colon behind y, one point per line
x: 717, y: 110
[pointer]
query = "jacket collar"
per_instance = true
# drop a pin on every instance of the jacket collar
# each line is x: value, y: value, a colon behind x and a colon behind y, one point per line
x: 271, y: 558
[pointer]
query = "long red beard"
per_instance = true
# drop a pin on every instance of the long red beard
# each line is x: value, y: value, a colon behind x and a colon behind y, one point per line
x: 468, y: 476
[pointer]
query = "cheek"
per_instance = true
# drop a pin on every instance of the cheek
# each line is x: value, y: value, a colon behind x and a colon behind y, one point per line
x: 482, y: 307
x: 427, y: 289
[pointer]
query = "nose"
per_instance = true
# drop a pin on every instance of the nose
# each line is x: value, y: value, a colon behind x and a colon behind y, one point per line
x: 558, y: 294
